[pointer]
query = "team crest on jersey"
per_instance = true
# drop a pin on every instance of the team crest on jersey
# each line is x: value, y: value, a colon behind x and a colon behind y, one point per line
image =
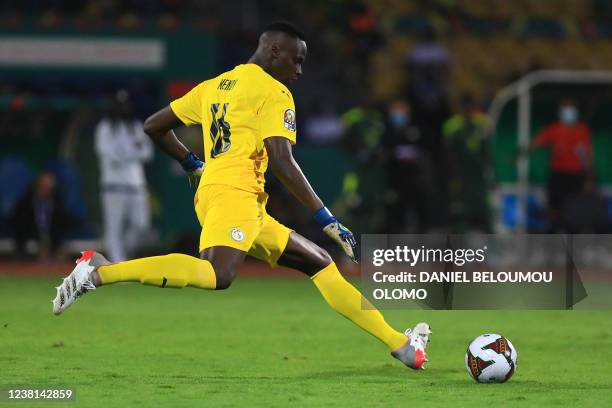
x: 237, y: 234
x: 290, y: 119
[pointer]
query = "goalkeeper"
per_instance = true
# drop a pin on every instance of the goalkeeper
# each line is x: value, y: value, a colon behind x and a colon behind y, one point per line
x: 248, y: 120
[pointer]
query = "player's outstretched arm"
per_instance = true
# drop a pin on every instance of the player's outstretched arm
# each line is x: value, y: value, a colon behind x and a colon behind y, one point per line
x: 289, y: 173
x: 159, y: 127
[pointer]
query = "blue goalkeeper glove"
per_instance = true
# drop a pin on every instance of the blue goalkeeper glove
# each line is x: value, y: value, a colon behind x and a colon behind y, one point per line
x: 338, y: 232
x: 194, y: 168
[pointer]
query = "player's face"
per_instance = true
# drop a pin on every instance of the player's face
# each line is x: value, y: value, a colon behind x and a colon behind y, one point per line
x: 287, y: 66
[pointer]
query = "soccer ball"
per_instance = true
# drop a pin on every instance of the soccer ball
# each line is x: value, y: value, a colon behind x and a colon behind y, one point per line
x: 491, y: 358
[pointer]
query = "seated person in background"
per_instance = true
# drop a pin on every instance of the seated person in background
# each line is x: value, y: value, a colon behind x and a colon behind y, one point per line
x: 40, y: 215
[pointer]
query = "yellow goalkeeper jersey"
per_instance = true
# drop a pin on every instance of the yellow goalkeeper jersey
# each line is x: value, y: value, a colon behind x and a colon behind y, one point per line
x: 238, y: 110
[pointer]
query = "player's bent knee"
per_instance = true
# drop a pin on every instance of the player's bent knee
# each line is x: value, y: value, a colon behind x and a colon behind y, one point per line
x: 223, y: 283
x: 224, y: 278
x: 323, y: 258
x: 316, y: 260
x: 304, y: 255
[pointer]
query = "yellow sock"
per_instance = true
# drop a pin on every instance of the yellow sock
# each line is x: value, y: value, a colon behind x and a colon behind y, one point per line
x: 167, y: 271
x: 346, y: 300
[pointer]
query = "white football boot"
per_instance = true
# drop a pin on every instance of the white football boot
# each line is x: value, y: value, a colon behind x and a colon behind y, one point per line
x: 412, y: 354
x: 78, y: 282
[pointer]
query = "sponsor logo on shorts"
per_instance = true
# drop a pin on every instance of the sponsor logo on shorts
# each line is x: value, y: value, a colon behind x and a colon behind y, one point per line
x: 290, y: 119
x: 237, y: 234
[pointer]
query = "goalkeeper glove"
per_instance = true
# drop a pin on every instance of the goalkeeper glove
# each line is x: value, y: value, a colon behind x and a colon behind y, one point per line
x: 194, y: 168
x: 338, y: 232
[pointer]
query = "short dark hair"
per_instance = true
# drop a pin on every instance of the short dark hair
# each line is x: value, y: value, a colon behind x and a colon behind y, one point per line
x: 285, y: 27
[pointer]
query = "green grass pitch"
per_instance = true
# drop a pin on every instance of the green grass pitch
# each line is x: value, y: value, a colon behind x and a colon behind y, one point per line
x: 274, y: 342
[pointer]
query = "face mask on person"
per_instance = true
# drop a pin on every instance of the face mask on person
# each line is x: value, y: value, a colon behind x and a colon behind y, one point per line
x: 399, y: 119
x: 568, y: 115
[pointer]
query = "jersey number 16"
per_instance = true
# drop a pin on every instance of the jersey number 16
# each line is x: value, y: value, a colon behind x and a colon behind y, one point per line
x: 219, y: 131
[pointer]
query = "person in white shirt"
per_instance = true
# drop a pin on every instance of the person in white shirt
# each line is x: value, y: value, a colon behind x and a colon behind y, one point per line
x: 122, y: 149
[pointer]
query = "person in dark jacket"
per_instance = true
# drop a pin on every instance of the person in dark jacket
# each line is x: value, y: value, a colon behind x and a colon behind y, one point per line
x: 40, y: 215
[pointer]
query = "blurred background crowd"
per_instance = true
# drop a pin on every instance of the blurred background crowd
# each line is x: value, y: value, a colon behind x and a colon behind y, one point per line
x: 393, y: 124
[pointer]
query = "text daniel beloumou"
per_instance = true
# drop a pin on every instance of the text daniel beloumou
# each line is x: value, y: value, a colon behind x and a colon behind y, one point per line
x: 458, y: 257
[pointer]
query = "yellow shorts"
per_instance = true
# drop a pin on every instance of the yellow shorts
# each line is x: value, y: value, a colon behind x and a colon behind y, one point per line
x: 238, y: 219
